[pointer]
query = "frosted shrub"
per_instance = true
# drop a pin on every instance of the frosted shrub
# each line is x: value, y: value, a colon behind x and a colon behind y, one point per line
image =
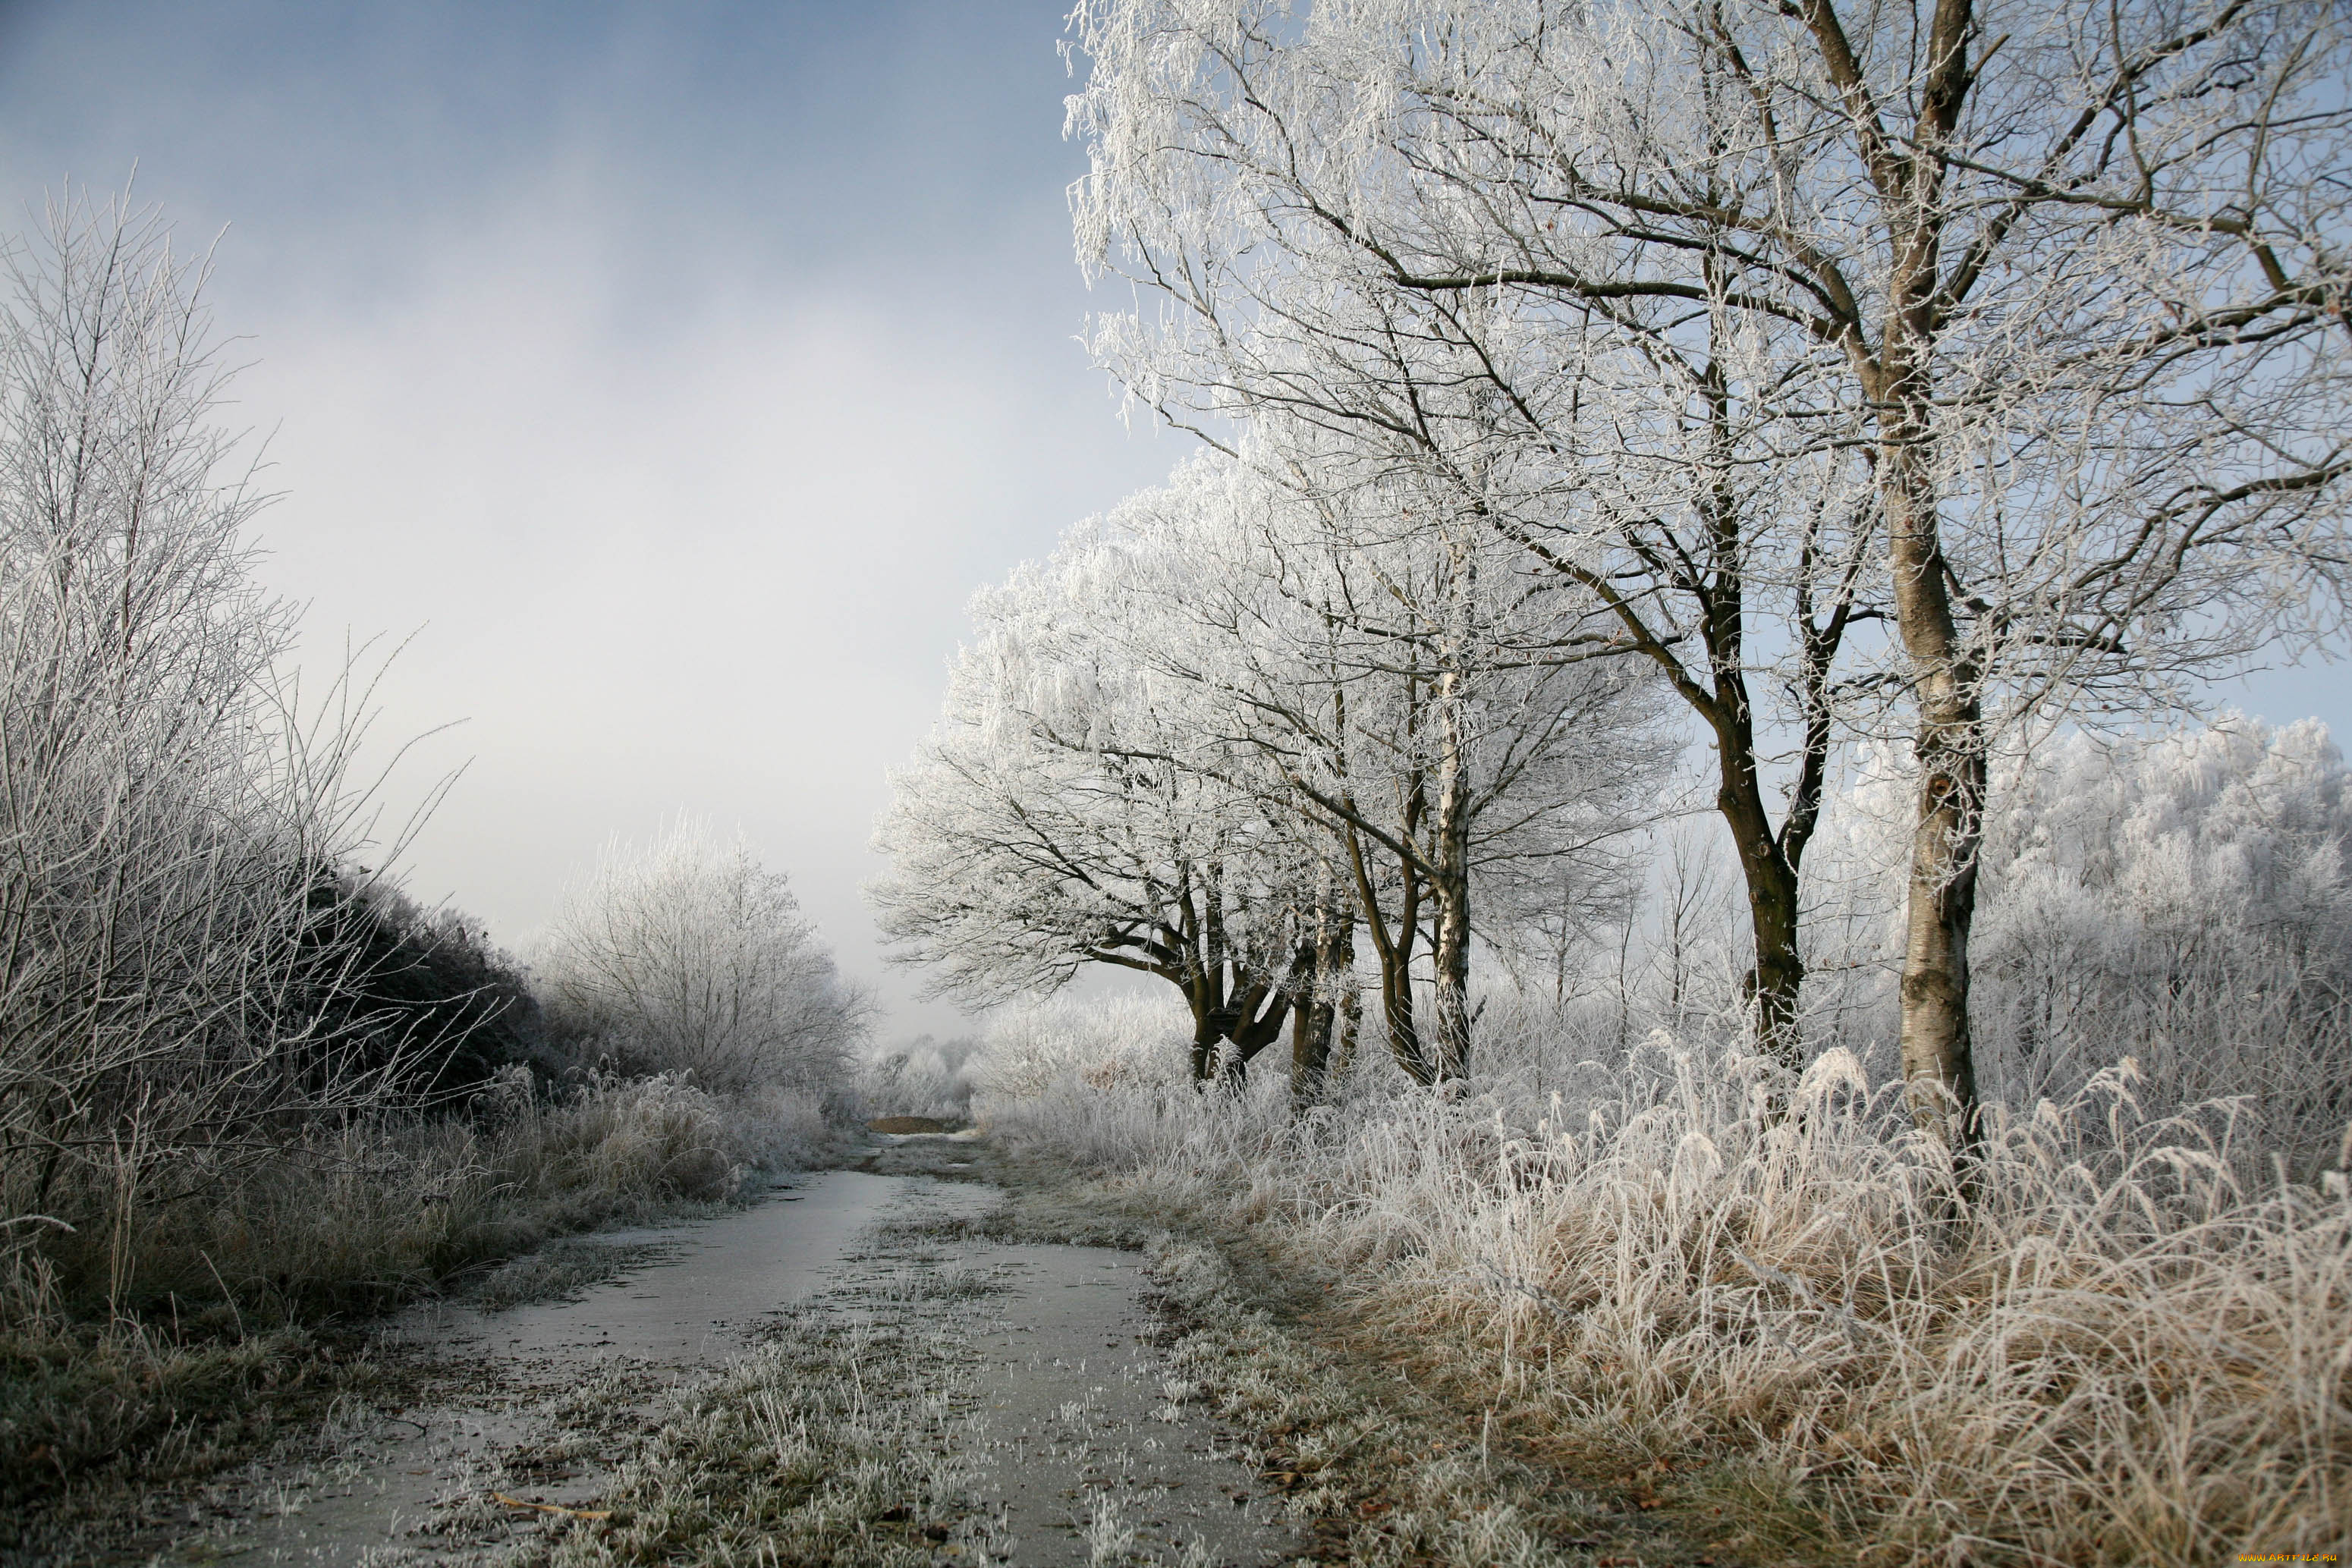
x: 1115, y: 1040
x: 686, y: 955
x: 2185, y: 902
x: 1103, y: 1084
x: 659, y: 1135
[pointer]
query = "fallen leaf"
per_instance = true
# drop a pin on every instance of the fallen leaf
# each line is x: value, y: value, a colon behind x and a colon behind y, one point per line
x: 553, y: 1508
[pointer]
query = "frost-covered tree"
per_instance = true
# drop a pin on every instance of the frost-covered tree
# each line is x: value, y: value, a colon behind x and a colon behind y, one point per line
x: 1400, y: 683
x: 2054, y: 290
x: 685, y: 955
x: 1633, y: 457
x: 1053, y: 820
x: 177, y: 976
x: 1226, y: 726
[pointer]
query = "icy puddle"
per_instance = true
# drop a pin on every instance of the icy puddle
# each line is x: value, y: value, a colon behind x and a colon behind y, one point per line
x: 1072, y: 1446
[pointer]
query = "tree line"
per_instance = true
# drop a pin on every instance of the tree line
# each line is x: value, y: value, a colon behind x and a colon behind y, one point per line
x: 1947, y: 370
x: 207, y: 975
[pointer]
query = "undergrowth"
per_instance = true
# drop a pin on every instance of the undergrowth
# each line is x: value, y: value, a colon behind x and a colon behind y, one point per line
x: 169, y: 1339
x: 2120, y: 1343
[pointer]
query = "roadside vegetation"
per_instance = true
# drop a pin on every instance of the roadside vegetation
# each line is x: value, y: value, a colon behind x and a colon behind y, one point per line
x: 1679, y: 703
x: 1768, y: 1310
x: 1761, y: 1307
x: 250, y: 1094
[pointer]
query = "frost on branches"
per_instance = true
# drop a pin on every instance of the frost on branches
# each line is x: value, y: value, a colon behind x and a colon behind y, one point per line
x: 1983, y: 360
x: 1229, y: 728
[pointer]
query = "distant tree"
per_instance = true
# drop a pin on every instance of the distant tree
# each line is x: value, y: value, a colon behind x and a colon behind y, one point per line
x: 685, y: 955
x: 2183, y: 898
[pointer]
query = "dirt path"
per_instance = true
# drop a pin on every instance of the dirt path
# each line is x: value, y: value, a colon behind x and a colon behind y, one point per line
x: 848, y: 1368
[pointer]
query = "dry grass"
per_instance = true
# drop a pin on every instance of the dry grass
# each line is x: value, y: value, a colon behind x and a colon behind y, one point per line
x: 2126, y: 1349
x: 844, y: 1439
x: 180, y: 1323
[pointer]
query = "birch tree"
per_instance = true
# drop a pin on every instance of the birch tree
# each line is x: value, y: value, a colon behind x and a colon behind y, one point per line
x: 2058, y: 285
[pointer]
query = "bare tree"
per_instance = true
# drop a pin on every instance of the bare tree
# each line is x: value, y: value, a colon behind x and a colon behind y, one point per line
x: 178, y: 830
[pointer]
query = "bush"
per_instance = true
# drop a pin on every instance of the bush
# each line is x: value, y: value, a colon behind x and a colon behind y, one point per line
x: 686, y: 955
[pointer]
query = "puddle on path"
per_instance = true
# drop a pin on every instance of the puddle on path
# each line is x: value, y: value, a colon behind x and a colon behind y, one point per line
x: 691, y: 1309
x: 1083, y: 1456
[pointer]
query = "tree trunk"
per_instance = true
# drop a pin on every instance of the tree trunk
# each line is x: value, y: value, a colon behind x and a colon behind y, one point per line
x: 1394, y: 949
x: 1449, y: 849
x: 1939, y: 1057
x: 1450, y: 998
x: 1203, y: 995
x: 1310, y: 1052
x: 1347, y: 1022
x: 1313, y: 1019
x: 1403, y: 1027
x: 1206, y: 1036
x: 1938, y: 1062
x: 1775, y: 984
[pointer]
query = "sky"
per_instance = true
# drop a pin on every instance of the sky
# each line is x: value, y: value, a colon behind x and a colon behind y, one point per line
x: 660, y: 378
x: 666, y: 377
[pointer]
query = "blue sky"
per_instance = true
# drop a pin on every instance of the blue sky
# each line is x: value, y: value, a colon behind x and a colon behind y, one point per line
x: 673, y: 372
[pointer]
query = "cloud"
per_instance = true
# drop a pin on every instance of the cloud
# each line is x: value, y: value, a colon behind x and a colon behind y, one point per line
x: 718, y: 567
